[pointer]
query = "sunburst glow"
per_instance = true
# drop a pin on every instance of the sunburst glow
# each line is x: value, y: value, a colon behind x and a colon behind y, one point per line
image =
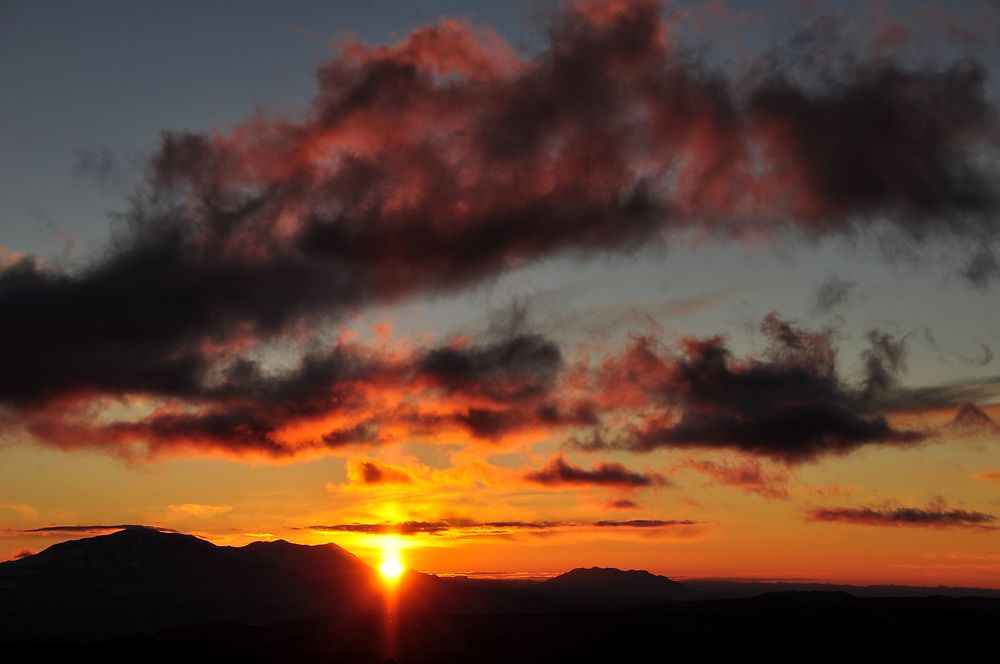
x: 391, y: 567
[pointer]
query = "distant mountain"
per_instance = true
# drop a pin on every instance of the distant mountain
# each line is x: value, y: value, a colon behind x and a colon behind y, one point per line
x: 615, y: 583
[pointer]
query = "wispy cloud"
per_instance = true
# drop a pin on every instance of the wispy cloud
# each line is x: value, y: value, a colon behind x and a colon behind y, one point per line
x: 936, y: 515
x: 469, y: 528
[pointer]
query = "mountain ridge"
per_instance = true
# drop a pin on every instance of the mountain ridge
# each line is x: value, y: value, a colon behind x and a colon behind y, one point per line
x: 141, y: 580
x: 613, y: 582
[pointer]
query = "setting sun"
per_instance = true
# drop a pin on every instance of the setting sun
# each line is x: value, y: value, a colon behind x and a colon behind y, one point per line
x: 391, y: 567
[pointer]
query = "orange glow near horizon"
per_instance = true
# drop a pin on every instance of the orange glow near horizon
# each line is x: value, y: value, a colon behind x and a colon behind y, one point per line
x: 450, y: 506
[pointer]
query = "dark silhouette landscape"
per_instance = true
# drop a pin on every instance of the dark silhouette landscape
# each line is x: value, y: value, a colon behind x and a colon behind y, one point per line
x: 150, y: 595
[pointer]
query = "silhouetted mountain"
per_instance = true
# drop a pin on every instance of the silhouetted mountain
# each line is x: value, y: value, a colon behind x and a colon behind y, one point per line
x: 141, y: 578
x: 157, y: 596
x: 610, y: 582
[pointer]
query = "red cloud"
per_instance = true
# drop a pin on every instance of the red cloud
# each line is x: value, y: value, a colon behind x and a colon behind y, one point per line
x: 560, y: 472
x: 432, y: 164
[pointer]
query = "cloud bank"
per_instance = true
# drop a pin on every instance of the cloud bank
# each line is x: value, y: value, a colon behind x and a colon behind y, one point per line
x: 446, y: 159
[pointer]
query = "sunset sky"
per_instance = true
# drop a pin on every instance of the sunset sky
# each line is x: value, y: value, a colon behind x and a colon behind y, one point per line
x: 708, y: 289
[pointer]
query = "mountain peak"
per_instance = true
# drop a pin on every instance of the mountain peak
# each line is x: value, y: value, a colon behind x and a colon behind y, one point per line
x: 613, y: 582
x: 132, y: 546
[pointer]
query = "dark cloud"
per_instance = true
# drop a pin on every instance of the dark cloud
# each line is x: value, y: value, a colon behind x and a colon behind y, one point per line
x: 560, y: 472
x: 833, y: 293
x: 935, y: 515
x: 884, y: 360
x: 857, y: 147
x: 624, y: 504
x: 950, y: 395
x: 470, y: 528
x: 404, y: 528
x: 645, y: 523
x: 23, y: 553
x: 453, y: 527
x: 969, y: 419
x: 523, y: 368
x: 247, y: 410
x: 981, y: 269
x: 373, y: 473
x: 790, y: 405
x: 442, y: 161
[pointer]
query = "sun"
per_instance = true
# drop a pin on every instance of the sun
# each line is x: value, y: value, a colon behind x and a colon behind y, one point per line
x: 391, y: 569
x: 392, y: 564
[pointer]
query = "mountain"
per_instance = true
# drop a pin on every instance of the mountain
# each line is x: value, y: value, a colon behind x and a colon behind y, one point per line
x: 142, y: 578
x: 615, y: 583
x: 145, y: 594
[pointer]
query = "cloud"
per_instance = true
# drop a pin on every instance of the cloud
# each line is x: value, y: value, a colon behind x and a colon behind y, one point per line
x: 988, y: 475
x: 981, y: 357
x: 524, y: 367
x: 435, y: 163
x: 971, y: 420
x: 790, y: 406
x: 195, y: 509
x: 23, y: 553
x: 624, y: 504
x: 949, y: 395
x: 645, y: 523
x: 471, y: 528
x: 935, y: 515
x: 748, y: 475
x: 833, y: 293
x: 403, y: 528
x: 370, y: 472
x: 336, y: 398
x: 559, y: 472
x: 981, y: 269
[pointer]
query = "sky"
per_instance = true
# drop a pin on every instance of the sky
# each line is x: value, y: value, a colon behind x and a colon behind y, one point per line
x: 707, y: 289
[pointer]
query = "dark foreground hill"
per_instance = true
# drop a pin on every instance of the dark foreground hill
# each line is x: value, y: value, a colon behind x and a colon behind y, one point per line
x: 144, y: 595
x: 800, y: 627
